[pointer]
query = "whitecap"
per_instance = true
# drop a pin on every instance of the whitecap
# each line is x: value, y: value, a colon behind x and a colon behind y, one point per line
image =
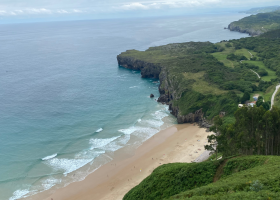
x: 49, y: 157
x: 117, y: 144
x: 99, y: 130
x: 155, y: 123
x: 67, y: 165
x: 49, y: 183
x: 139, y: 120
x: 18, y: 194
x: 129, y: 130
x: 99, y: 143
x: 134, y: 87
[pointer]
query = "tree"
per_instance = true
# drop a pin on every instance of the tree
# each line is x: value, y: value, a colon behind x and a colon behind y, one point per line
x: 259, y: 101
x: 246, y: 97
x: 228, y: 45
x: 213, y: 139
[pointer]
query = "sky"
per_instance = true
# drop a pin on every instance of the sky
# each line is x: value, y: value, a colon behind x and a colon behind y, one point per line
x: 36, y: 10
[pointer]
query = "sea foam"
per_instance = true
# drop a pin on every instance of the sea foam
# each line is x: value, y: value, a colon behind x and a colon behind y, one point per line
x: 99, y: 143
x: 67, y: 165
x: 18, y: 194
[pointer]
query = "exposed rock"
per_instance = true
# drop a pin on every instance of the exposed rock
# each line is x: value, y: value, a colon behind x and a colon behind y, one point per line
x: 152, y: 96
x: 167, y: 90
x: 148, y: 70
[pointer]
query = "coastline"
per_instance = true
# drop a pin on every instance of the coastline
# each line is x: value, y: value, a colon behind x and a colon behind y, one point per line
x: 113, y: 180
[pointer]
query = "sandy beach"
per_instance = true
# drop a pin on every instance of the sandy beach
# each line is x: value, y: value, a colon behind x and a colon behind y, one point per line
x: 179, y: 143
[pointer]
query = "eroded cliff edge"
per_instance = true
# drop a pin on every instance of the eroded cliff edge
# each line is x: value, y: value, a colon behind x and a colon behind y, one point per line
x: 250, y: 31
x: 196, y: 86
x: 257, y: 24
x: 167, y: 89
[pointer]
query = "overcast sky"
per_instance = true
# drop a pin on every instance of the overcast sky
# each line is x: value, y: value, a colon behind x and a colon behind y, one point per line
x: 33, y: 9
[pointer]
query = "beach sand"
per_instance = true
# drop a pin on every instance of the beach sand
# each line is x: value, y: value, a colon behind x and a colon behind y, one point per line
x: 179, y: 143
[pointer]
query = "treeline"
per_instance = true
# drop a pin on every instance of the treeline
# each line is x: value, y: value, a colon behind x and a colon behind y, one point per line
x: 255, y: 131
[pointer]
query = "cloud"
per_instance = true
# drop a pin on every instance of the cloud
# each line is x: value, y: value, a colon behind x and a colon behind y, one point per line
x: 38, y: 11
x: 134, y: 6
x: 167, y: 4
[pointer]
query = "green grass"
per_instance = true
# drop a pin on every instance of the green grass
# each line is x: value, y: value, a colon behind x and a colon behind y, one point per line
x: 243, y: 52
x: 237, y: 177
x: 202, y: 86
x: 170, y: 179
x: 269, y: 92
x: 271, y: 74
x: 222, y: 56
x: 228, y: 178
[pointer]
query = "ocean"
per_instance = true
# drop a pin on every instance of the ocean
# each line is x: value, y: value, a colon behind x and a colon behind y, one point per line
x: 66, y: 106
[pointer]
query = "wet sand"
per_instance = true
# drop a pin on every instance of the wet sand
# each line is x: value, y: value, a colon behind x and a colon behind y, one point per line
x: 179, y: 143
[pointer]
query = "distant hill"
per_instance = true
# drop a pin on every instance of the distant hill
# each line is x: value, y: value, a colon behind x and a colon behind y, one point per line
x: 257, y: 24
x: 261, y: 10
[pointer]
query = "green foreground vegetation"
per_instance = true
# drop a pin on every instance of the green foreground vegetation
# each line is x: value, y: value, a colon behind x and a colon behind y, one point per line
x: 239, y: 177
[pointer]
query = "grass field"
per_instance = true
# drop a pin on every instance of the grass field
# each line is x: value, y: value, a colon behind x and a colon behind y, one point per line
x: 243, y: 52
x: 271, y: 74
x: 202, y: 86
x: 222, y: 56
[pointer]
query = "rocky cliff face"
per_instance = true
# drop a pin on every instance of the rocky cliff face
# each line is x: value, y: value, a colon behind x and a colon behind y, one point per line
x: 167, y: 89
x: 252, y: 32
x: 148, y: 70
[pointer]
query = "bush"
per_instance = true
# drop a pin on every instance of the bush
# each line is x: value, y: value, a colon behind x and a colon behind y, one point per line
x: 256, y: 186
x: 228, y: 45
x: 262, y: 72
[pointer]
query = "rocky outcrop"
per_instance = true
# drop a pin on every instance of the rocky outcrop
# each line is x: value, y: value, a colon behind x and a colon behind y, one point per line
x: 152, y: 96
x: 167, y: 90
x: 148, y: 70
x: 250, y: 31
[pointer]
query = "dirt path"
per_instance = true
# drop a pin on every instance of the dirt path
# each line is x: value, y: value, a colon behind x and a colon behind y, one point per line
x: 255, y: 73
x: 273, y: 96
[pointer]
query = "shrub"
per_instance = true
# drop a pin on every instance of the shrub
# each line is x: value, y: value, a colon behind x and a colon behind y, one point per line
x: 256, y: 186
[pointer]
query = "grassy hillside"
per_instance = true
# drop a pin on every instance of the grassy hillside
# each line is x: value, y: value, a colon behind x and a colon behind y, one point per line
x: 243, y: 177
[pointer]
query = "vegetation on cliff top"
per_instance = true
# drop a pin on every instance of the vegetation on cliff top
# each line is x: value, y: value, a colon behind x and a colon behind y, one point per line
x: 244, y: 177
x: 262, y: 22
x: 215, y: 76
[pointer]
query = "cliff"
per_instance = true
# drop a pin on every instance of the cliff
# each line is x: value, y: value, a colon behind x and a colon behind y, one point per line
x: 257, y: 24
x: 191, y: 79
x: 166, y: 88
x: 250, y: 31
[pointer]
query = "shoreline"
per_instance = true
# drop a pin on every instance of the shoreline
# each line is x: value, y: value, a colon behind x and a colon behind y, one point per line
x: 178, y: 143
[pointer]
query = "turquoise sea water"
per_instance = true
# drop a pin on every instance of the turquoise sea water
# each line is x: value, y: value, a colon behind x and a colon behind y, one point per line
x: 66, y: 105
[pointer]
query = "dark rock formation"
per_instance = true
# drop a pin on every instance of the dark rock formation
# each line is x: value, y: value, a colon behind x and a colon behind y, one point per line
x: 152, y: 96
x: 148, y: 70
x: 250, y: 31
